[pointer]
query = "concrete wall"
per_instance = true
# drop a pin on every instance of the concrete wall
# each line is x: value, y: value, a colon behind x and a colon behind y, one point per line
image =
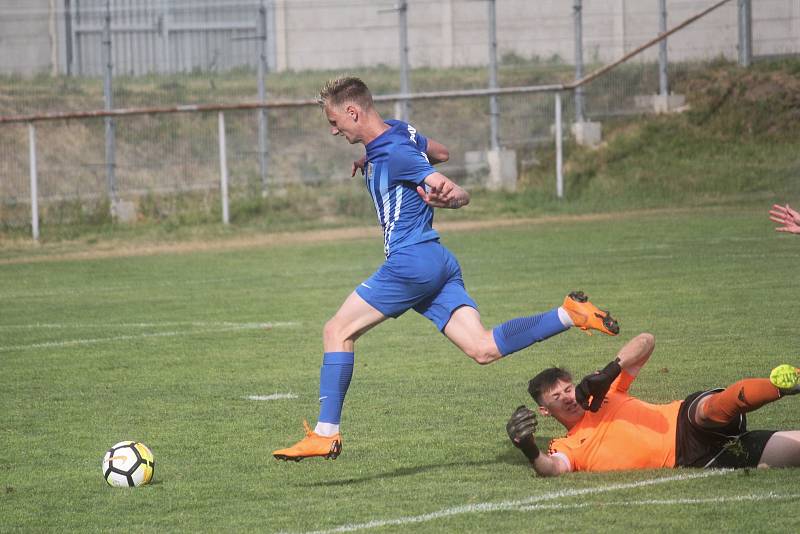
x: 452, y: 33
x: 342, y: 34
x: 28, y: 36
x: 776, y: 28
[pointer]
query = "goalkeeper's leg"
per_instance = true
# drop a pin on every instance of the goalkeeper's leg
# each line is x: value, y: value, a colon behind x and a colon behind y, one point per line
x: 744, y: 396
x: 782, y: 450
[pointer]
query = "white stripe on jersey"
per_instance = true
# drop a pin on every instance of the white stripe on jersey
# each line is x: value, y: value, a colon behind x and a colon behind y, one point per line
x: 390, y: 224
x: 384, y: 192
x: 368, y: 180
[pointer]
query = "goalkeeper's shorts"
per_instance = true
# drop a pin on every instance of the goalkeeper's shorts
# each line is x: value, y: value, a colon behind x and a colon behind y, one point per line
x: 731, y: 446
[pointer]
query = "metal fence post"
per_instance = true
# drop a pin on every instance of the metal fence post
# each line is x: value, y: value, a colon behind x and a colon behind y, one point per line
x: 494, y: 113
x: 34, y: 182
x: 77, y: 50
x: 223, y: 167
x: 745, y: 33
x: 272, y: 53
x: 69, y: 38
x: 163, y: 23
x: 109, y: 104
x: 663, y: 80
x: 401, y: 108
x: 559, y: 150
x: 579, y: 103
x: 263, y: 136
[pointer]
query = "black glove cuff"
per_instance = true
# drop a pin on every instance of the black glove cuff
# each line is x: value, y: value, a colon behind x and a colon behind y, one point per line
x: 529, y: 448
x: 613, y: 369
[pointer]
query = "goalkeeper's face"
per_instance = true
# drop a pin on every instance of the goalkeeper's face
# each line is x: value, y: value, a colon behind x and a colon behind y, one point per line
x: 559, y: 402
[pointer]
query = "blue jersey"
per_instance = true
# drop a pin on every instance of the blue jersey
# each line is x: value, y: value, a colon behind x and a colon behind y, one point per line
x: 396, y: 165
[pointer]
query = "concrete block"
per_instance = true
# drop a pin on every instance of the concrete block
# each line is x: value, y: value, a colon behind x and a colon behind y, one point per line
x: 644, y: 102
x: 502, y: 170
x: 476, y: 166
x: 668, y: 103
x: 123, y: 211
x: 492, y: 169
x: 587, y: 133
x: 660, y: 103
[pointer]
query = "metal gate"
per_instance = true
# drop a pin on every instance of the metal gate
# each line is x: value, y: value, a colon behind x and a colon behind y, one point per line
x: 167, y: 36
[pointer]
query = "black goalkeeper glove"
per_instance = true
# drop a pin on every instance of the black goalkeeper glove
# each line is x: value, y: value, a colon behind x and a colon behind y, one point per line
x: 521, y: 428
x: 596, y: 385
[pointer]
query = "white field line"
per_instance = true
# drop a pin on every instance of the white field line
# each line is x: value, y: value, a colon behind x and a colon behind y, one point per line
x: 200, y: 324
x: 24, y: 293
x: 92, y: 341
x: 514, y: 505
x: 769, y: 496
x: 274, y: 396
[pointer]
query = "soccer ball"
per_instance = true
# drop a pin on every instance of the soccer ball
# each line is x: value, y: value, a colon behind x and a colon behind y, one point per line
x: 128, y: 463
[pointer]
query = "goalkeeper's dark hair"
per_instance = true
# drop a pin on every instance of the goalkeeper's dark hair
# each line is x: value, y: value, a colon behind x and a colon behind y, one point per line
x: 545, y: 381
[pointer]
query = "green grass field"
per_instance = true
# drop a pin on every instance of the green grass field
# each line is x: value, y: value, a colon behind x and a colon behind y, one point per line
x: 167, y: 349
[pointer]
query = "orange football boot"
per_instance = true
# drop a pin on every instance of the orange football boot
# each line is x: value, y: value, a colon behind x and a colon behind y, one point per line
x: 587, y: 316
x: 311, y: 445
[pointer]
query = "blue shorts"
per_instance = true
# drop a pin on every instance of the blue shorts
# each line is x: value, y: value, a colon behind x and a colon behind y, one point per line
x: 425, y: 276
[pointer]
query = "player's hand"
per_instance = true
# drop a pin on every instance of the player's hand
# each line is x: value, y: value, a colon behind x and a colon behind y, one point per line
x: 443, y: 193
x: 437, y: 195
x: 358, y: 165
x: 521, y: 428
x: 522, y: 425
x: 788, y: 218
x: 595, y: 386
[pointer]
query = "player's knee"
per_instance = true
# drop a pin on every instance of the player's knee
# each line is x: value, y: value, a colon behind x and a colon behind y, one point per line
x: 484, y: 359
x: 700, y: 416
x: 482, y: 353
x: 703, y: 422
x: 334, y: 332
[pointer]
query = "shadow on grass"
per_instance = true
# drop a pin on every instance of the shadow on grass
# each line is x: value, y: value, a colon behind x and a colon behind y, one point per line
x: 513, y: 456
x: 399, y: 472
x: 509, y: 455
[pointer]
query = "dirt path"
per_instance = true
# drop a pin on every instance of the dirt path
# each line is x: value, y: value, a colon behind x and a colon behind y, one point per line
x: 116, y: 250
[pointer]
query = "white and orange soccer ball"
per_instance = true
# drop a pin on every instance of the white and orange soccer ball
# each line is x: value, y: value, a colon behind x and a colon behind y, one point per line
x: 128, y: 464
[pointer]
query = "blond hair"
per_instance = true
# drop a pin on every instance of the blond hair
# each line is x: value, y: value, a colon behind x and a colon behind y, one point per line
x: 345, y: 89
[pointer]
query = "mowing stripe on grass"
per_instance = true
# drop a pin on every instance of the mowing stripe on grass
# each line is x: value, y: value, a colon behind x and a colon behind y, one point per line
x: 515, y: 505
x: 76, y: 342
x: 261, y: 240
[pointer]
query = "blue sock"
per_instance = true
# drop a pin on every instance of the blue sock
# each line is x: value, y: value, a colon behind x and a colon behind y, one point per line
x: 334, y: 379
x: 522, y: 332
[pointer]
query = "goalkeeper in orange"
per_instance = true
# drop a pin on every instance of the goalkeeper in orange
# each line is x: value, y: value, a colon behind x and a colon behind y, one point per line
x: 608, y: 429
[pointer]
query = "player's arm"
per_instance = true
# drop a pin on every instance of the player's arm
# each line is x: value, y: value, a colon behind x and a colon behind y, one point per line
x: 436, y: 152
x: 636, y: 352
x: 521, y: 430
x: 591, y: 391
x: 550, y: 465
x: 442, y: 192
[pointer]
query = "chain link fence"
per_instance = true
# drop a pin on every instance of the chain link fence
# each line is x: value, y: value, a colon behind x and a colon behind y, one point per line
x: 183, y: 52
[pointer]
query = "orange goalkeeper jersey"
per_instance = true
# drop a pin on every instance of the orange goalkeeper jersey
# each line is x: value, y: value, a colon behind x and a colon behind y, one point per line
x: 625, y: 433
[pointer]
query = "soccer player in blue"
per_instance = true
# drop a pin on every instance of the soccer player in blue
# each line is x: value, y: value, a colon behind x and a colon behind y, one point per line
x: 419, y: 273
